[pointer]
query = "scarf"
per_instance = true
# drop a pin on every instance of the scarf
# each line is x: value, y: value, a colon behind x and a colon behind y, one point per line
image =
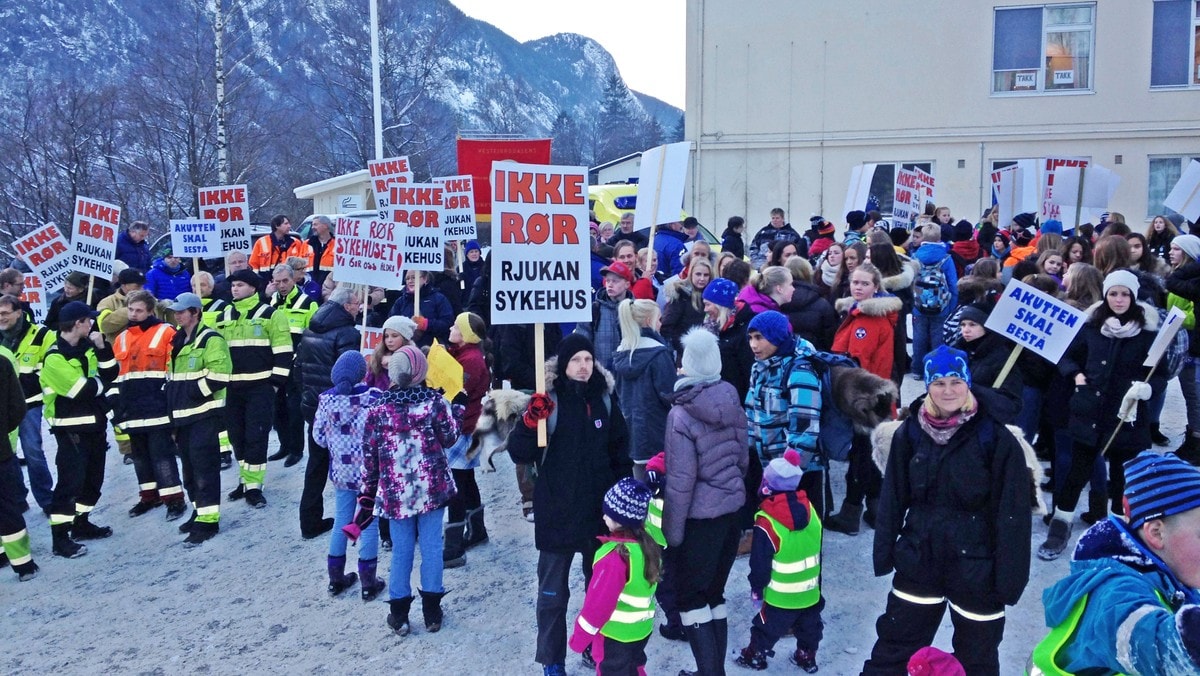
x: 1113, y: 328
x: 828, y: 272
x: 685, y: 382
x: 941, y: 429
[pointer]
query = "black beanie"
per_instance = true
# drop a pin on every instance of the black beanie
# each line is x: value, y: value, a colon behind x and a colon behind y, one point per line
x: 569, y: 346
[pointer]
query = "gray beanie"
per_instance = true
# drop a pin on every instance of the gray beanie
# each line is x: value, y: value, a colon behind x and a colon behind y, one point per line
x: 1189, y: 244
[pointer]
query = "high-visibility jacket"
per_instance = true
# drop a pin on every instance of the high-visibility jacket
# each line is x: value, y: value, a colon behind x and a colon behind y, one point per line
x: 260, y: 345
x: 13, y: 412
x: 633, y: 619
x: 198, y: 373
x: 143, y: 355
x: 212, y: 310
x: 654, y: 522
x: 322, y: 257
x: 267, y: 253
x: 298, y: 308
x: 1044, y: 661
x: 796, y: 568
x: 30, y: 353
x: 74, y: 387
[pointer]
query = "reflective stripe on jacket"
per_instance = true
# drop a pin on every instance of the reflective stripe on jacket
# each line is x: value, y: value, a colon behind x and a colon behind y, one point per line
x: 633, y: 619
x: 143, y: 356
x: 260, y: 345
x: 74, y: 388
x: 199, y: 372
x: 796, y: 568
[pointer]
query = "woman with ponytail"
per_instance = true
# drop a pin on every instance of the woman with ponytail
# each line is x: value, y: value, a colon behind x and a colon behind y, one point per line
x: 645, y: 372
x: 471, y: 348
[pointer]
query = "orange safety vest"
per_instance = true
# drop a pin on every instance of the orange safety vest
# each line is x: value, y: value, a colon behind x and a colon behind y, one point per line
x: 264, y: 256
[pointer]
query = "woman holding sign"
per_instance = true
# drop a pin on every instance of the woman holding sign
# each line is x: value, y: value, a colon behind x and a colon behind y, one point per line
x: 1105, y: 363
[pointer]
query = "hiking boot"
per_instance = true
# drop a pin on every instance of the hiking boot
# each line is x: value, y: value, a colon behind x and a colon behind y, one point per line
x: 83, y: 529
x: 751, y: 659
x: 200, y: 532
x: 398, y: 618
x: 1056, y: 540
x: 63, y: 545
x: 237, y: 493
x: 143, y: 506
x: 254, y: 498
x: 176, y: 510
x: 805, y: 659
x: 847, y: 521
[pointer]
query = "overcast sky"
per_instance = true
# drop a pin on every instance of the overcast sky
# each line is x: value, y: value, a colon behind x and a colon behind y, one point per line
x: 645, y: 37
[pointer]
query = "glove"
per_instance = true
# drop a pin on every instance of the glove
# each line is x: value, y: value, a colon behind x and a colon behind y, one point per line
x: 459, y: 399
x: 363, y: 516
x: 656, y: 471
x: 1188, y: 621
x: 540, y: 407
x: 756, y: 601
x: 1138, y: 391
x: 421, y: 322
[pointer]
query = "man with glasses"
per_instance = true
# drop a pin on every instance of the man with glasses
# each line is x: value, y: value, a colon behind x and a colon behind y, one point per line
x: 29, y: 343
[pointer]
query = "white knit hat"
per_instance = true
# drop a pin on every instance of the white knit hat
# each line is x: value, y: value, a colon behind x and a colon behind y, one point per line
x: 1123, y: 278
x: 701, y: 355
x: 402, y: 325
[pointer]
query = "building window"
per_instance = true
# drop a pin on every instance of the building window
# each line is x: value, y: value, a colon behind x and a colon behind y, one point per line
x: 1164, y: 174
x: 1043, y: 49
x: 1175, y: 46
x: 883, y: 183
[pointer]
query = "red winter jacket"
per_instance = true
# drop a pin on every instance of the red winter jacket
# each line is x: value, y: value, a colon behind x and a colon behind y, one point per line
x: 867, y: 332
x: 476, y: 380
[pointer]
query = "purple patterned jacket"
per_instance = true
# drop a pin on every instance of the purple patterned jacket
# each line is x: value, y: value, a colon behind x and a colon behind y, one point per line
x: 404, y: 451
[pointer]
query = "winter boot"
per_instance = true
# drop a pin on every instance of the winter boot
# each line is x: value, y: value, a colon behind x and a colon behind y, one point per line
x: 186, y: 526
x: 200, y: 532
x: 704, y: 648
x: 476, y: 532
x: 397, y: 619
x: 176, y: 509
x: 1097, y: 508
x: 1056, y: 539
x: 1157, y: 436
x: 369, y: 582
x: 720, y: 630
x: 872, y: 510
x: 226, y: 460
x: 1189, y: 451
x: 454, y: 554
x: 279, y: 455
x: 805, y: 659
x: 26, y: 571
x: 83, y: 529
x: 237, y: 493
x: 846, y: 521
x: 751, y: 658
x: 63, y: 545
x: 254, y: 498
x: 147, y: 500
x: 339, y: 579
x: 431, y: 609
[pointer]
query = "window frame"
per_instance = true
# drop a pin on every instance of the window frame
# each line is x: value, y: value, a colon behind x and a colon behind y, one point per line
x: 1040, y: 88
x: 1183, y: 161
x: 1193, y: 56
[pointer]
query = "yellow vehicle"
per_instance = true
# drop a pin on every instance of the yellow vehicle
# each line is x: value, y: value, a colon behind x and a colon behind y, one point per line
x: 611, y: 200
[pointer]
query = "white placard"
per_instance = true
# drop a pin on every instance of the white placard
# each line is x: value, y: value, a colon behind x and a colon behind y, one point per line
x: 661, y: 180
x: 416, y: 210
x: 1025, y: 81
x: 541, y: 262
x: 230, y: 208
x: 859, y: 190
x: 384, y: 175
x: 35, y: 295
x: 908, y: 199
x: 1009, y: 184
x: 926, y: 181
x: 368, y: 252
x: 1166, y: 333
x: 458, y: 207
x: 1050, y: 208
x: 1064, y: 77
x: 196, y: 238
x: 1030, y: 201
x: 1185, y: 196
x: 1099, y: 186
x: 94, y: 236
x: 47, y: 252
x: 1035, y: 321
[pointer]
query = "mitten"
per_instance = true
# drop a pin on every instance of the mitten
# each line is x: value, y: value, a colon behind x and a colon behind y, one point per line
x: 459, y: 399
x: 656, y: 471
x: 1138, y: 391
x: 421, y: 322
x: 756, y: 601
x: 540, y: 407
x: 1187, y: 620
x: 363, y: 516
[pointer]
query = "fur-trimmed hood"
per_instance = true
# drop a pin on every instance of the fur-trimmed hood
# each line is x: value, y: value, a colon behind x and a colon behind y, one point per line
x: 610, y: 383
x: 677, y: 288
x: 905, y: 278
x: 1148, y: 310
x: 875, y: 306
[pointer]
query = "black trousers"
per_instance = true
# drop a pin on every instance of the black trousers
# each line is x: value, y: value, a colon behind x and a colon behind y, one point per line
x: 201, y: 455
x: 467, y: 497
x: 80, y: 465
x: 289, y: 423
x: 863, y: 478
x: 12, y: 500
x: 622, y: 659
x: 707, y: 553
x: 153, y: 453
x: 803, y: 623
x: 1083, y: 459
x: 554, y: 593
x: 312, y: 498
x: 249, y: 411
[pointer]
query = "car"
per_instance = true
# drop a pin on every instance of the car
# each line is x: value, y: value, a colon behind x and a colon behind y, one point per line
x: 612, y: 200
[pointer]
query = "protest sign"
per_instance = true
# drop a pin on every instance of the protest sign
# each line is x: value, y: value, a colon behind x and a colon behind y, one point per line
x: 458, y: 207
x: 94, y: 236
x: 47, y: 252
x: 416, y: 209
x: 230, y: 208
x: 541, y: 270
x: 1010, y: 185
x: 661, y: 181
x: 371, y: 338
x: 1051, y: 209
x: 1084, y: 189
x: 1166, y: 334
x: 1035, y: 321
x: 445, y: 373
x: 926, y: 181
x: 908, y: 198
x: 859, y: 190
x: 367, y: 252
x: 196, y: 238
x: 384, y: 175
x: 1185, y: 196
x: 35, y: 295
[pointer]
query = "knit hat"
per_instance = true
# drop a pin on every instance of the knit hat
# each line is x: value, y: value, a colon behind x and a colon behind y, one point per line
x: 348, y: 371
x: 1190, y: 244
x: 899, y: 235
x: 975, y: 312
x: 945, y: 362
x: 963, y: 231
x: 246, y: 276
x: 1002, y: 234
x: 1123, y: 278
x: 627, y: 503
x: 701, y: 355
x: 78, y: 279
x: 773, y: 326
x: 930, y: 661
x: 571, y: 345
x: 407, y: 367
x: 721, y: 291
x: 782, y: 475
x: 1026, y: 220
x: 402, y: 325
x: 856, y: 219
x: 1159, y: 485
x: 1052, y: 227
x: 471, y: 245
x: 463, y: 323
x: 130, y: 276
x: 619, y: 269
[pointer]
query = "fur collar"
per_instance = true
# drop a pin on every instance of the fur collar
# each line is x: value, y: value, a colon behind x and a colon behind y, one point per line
x: 1148, y: 310
x: 903, y: 280
x: 677, y: 289
x: 876, y: 306
x: 610, y: 383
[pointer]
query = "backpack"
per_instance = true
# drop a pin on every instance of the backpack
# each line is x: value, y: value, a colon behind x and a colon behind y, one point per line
x: 931, y: 290
x: 837, y: 430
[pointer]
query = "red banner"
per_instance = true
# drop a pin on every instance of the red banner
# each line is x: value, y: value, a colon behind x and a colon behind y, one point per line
x: 475, y: 158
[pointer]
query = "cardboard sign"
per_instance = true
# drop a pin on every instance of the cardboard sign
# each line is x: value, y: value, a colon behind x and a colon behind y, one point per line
x: 1185, y: 196
x: 371, y: 338
x: 94, y: 236
x: 1009, y: 184
x: 1050, y: 208
x: 1166, y: 333
x: 1098, y: 187
x: 660, y: 184
x: 196, y: 238
x: 1030, y: 198
x: 367, y: 252
x: 445, y: 373
x: 859, y: 190
x: 908, y: 198
x: 926, y: 181
x: 1035, y: 321
x: 48, y: 253
x: 458, y: 207
x: 384, y: 175
x: 230, y: 208
x: 416, y: 210
x: 541, y: 263
x: 35, y: 295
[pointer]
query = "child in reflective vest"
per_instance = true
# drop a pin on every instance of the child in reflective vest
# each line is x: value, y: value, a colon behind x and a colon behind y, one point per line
x: 785, y: 569
x: 617, y: 617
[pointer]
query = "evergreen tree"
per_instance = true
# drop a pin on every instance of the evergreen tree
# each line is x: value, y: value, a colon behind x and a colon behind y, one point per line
x: 619, y: 130
x: 566, y: 147
x: 677, y: 132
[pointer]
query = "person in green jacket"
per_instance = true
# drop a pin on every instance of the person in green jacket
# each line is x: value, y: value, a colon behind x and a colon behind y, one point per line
x: 13, y: 536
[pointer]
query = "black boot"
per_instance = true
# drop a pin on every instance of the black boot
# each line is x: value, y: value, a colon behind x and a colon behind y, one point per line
x: 237, y: 493
x: 454, y: 553
x: 431, y: 610
x: 278, y: 455
x: 63, y: 545
x: 201, y: 531
x: 847, y: 520
x: 720, y: 630
x: 147, y: 500
x: 186, y: 526
x: 704, y: 649
x: 1097, y: 508
x: 476, y: 532
x: 226, y: 459
x: 1157, y: 436
x: 872, y: 510
x: 339, y: 579
x: 397, y: 619
x: 369, y: 582
x: 83, y: 529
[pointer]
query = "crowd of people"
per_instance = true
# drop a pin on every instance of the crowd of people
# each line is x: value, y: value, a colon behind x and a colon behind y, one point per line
x: 683, y: 427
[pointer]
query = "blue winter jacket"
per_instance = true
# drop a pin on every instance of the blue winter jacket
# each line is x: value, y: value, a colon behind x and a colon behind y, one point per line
x: 1125, y: 628
x: 645, y: 384
x: 932, y: 252
x: 668, y: 245
x: 435, y: 308
x: 135, y: 255
x: 783, y: 405
x: 167, y: 284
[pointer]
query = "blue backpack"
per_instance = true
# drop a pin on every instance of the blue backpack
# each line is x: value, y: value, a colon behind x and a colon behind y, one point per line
x: 837, y: 429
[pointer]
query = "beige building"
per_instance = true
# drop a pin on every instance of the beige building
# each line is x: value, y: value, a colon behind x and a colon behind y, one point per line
x: 785, y: 97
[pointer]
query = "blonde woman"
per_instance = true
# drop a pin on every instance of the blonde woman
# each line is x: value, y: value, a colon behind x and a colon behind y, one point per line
x: 685, y: 302
x: 644, y: 367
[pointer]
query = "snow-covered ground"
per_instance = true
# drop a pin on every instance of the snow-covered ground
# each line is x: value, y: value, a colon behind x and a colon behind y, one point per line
x: 253, y: 599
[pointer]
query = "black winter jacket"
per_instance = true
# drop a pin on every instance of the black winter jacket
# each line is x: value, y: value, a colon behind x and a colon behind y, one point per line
x: 12, y: 407
x: 1184, y: 282
x: 645, y: 382
x: 736, y: 358
x: 956, y: 517
x: 811, y: 315
x: 679, y: 315
x: 330, y: 332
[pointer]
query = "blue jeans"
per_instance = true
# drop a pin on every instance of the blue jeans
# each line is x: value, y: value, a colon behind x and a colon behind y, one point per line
x: 927, y: 336
x: 345, y: 502
x: 1030, y: 415
x: 426, y: 530
x: 30, y: 433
